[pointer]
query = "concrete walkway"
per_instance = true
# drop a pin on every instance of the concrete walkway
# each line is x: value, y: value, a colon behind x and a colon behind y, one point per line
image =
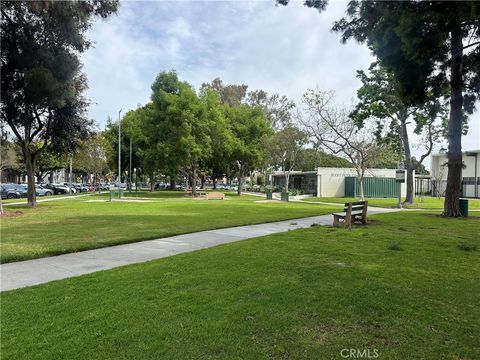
x: 38, y: 271
x: 53, y: 198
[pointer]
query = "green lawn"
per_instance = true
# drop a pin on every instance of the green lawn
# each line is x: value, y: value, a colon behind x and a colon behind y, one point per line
x: 420, y: 203
x: 302, y: 294
x: 71, y: 225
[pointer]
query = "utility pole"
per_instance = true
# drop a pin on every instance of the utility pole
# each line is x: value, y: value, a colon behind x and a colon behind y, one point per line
x: 130, y: 169
x: 119, y: 156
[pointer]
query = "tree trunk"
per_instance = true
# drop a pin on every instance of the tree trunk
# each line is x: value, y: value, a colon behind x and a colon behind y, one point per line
x: 172, y: 183
x: 360, y: 188
x: 214, y: 183
x: 152, y: 184
x: 202, y: 186
x: 287, y: 178
x: 240, y: 180
x: 30, y: 166
x: 409, y: 199
x: 193, y: 181
x: 454, y: 155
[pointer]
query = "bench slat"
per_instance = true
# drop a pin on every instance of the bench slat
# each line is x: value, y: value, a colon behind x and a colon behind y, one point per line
x: 354, y: 213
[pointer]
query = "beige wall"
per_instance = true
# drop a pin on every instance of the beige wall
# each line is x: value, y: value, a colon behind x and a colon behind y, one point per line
x: 439, y: 172
x: 331, y: 181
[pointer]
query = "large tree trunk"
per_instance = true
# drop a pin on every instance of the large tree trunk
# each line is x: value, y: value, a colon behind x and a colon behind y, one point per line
x: 360, y: 189
x: 287, y: 178
x: 409, y: 199
x: 454, y: 155
x: 202, y: 178
x: 193, y: 181
x: 172, y: 183
x: 152, y: 184
x: 214, y: 183
x: 241, y: 179
x: 30, y: 166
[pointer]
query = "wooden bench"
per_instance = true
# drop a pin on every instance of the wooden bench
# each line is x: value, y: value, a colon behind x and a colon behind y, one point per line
x: 215, y: 196
x: 353, y: 211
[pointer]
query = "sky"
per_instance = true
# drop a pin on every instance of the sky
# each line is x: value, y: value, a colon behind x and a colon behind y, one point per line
x: 284, y: 50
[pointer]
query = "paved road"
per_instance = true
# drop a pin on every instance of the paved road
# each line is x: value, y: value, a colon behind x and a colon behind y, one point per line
x: 38, y: 271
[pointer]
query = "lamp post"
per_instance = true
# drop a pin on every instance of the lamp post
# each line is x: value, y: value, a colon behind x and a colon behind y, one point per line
x: 130, y: 168
x: 70, y: 177
x: 119, y: 156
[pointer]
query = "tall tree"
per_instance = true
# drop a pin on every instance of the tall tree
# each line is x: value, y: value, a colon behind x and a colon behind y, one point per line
x: 428, y: 45
x: 218, y: 162
x: 380, y: 99
x: 249, y: 128
x: 41, y: 81
x: 334, y: 130
x: 184, y: 121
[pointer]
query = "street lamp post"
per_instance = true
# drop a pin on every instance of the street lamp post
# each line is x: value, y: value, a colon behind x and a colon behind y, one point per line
x: 130, y: 168
x: 119, y: 156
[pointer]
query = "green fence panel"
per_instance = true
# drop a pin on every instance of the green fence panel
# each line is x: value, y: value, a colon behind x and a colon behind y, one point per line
x: 372, y: 187
x: 350, y: 186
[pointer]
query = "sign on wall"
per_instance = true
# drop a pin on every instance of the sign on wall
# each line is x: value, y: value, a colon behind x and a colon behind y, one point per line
x: 400, y: 176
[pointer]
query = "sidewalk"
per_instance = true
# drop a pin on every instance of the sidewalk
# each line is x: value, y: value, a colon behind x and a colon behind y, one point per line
x: 38, y: 271
x: 53, y: 198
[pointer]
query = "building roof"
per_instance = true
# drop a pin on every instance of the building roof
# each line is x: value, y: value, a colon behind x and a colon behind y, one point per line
x: 463, y: 152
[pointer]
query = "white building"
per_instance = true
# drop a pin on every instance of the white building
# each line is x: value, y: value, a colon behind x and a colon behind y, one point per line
x: 341, y: 182
x: 470, y: 174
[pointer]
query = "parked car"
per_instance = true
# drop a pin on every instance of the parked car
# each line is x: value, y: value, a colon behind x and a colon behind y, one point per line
x: 81, y: 187
x: 19, y: 188
x: 57, y: 188
x: 42, y: 191
x: 67, y: 185
x: 9, y: 192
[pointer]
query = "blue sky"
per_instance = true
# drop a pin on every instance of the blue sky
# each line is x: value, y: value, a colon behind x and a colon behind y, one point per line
x: 277, y: 49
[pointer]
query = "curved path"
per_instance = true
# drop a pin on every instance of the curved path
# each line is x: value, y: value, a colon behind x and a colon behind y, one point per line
x: 38, y: 271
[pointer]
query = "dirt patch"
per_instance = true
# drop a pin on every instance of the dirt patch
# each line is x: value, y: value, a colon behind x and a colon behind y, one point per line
x: 13, y: 213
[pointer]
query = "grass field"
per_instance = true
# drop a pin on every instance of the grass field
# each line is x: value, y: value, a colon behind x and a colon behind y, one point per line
x: 63, y: 226
x: 429, y: 203
x: 405, y: 289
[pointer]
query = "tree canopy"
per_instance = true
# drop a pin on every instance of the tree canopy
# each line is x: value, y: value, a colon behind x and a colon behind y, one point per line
x: 41, y: 81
